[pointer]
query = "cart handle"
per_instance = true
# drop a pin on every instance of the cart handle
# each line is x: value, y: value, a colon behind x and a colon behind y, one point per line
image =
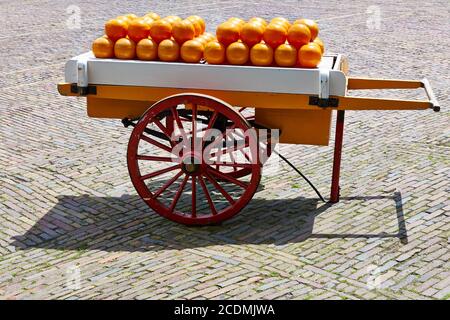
x: 367, y: 83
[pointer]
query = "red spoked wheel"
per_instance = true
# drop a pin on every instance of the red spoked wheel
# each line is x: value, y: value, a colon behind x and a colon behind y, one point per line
x: 182, y: 159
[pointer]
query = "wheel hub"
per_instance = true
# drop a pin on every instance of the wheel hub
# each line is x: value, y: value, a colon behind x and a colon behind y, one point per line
x: 191, y: 164
x: 191, y: 168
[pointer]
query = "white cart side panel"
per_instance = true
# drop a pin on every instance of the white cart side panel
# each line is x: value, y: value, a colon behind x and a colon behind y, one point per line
x: 338, y: 83
x: 203, y: 76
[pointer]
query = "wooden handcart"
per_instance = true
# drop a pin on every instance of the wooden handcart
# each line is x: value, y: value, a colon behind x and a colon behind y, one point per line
x: 190, y: 176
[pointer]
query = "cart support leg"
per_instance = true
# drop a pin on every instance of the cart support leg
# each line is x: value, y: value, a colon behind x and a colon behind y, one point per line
x: 334, y: 196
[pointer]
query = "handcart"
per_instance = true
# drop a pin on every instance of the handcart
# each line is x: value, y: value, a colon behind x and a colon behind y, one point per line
x: 190, y: 176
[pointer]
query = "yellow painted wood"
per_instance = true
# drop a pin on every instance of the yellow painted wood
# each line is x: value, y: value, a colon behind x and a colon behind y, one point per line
x: 299, y: 122
x: 258, y: 100
x: 64, y: 89
x: 361, y: 103
x: 236, y: 98
x: 298, y: 126
x: 116, y: 108
x: 367, y: 83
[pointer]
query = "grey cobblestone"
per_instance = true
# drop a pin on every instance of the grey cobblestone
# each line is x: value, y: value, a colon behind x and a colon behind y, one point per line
x: 66, y: 198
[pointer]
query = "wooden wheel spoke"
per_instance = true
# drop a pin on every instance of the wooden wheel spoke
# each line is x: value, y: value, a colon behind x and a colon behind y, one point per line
x: 194, y: 126
x: 167, y: 184
x: 210, y: 125
x: 156, y: 143
x: 219, y: 187
x: 170, y: 124
x: 176, y: 116
x: 233, y: 159
x: 212, y: 120
x: 178, y: 194
x: 207, y: 195
x: 160, y: 172
x: 179, y: 123
x: 154, y: 158
x: 230, y: 150
x: 194, y: 197
x: 227, y: 177
x: 162, y: 128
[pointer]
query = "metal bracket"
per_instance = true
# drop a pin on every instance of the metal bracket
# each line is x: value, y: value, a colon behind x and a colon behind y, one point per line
x: 324, y: 79
x: 323, y: 103
x: 83, y: 91
x: 324, y: 100
x: 82, y: 76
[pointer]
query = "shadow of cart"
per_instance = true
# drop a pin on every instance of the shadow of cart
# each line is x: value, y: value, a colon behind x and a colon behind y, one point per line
x: 126, y: 224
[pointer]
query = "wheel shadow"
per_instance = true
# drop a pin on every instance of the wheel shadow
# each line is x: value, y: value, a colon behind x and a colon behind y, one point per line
x: 127, y: 224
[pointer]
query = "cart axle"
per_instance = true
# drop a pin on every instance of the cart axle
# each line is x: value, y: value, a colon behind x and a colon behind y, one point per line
x: 127, y: 122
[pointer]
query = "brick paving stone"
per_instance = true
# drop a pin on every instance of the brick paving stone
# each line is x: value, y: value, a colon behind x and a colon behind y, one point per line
x: 66, y: 199
x: 430, y: 292
x: 443, y: 294
x: 199, y: 293
x: 231, y: 281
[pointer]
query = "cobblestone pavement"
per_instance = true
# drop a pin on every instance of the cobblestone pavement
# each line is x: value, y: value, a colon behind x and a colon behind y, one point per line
x: 72, y: 226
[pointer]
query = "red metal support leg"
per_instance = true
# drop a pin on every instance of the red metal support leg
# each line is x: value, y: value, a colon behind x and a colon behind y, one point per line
x: 334, y: 196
